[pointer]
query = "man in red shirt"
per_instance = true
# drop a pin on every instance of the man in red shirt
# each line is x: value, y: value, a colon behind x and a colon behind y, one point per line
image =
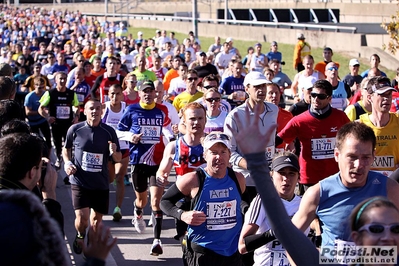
x: 316, y: 130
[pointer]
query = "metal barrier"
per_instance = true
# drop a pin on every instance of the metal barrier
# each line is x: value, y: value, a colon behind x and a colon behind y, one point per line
x: 282, y: 1
x: 303, y: 26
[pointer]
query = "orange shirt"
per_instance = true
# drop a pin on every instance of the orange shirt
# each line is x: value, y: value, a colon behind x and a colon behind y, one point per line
x: 283, y: 118
x: 87, y: 53
x: 321, y: 67
x: 97, y: 73
x: 171, y: 74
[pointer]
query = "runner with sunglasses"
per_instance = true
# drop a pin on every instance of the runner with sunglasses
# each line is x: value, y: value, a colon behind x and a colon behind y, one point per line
x: 215, y: 116
x: 191, y: 93
x: 342, y: 93
x: 375, y: 222
x: 316, y: 130
x: 215, y: 219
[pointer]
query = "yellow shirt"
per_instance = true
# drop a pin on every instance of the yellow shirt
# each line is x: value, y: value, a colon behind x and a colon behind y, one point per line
x: 387, y: 148
x: 184, y: 98
x: 350, y: 111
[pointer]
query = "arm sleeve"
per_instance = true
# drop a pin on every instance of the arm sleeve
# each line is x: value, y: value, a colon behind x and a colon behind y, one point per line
x: 96, y: 86
x: 290, y: 236
x: 168, y: 202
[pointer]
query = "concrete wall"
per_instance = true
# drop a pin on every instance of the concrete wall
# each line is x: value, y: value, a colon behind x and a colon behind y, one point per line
x: 356, y: 12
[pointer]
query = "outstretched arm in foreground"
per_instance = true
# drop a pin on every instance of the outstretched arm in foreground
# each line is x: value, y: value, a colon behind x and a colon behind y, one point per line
x: 254, y: 152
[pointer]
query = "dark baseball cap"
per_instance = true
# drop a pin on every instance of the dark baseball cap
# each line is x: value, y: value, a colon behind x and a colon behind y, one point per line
x: 145, y: 85
x: 290, y: 160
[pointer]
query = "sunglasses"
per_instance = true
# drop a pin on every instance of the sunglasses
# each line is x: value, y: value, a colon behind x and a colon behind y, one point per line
x: 379, y: 228
x: 211, y: 100
x: 192, y: 79
x: 208, y: 87
x: 132, y: 81
x: 321, y: 96
x: 332, y: 68
x: 215, y: 136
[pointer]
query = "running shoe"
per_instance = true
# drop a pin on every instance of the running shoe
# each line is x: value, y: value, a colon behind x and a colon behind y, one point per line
x: 156, y: 248
x: 66, y: 181
x: 117, y: 214
x: 139, y: 223
x: 57, y: 164
x: 126, y: 180
x: 77, y: 244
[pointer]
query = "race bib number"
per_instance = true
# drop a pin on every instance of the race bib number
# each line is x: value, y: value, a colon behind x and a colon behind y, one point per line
x: 341, y: 245
x: 323, y: 148
x: 92, y: 162
x: 106, y: 98
x: 63, y: 112
x: 81, y: 98
x: 279, y: 258
x: 151, y: 134
x: 338, y: 103
x: 221, y: 215
x: 270, y: 151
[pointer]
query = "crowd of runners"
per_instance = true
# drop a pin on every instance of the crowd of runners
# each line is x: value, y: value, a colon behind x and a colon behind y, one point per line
x: 256, y: 177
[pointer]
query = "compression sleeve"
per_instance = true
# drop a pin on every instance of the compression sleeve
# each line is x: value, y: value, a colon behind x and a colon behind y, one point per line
x: 278, y: 140
x: 290, y: 236
x: 168, y: 202
x: 253, y: 242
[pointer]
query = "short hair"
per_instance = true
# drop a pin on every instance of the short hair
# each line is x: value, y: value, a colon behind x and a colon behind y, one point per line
x: 97, y: 58
x: 327, y: 49
x: 190, y: 71
x: 183, y: 65
x: 9, y: 110
x: 211, y: 77
x: 193, y: 105
x: 376, y: 56
x: 116, y: 86
x: 274, y: 61
x: 109, y: 58
x: 15, y: 126
x: 325, y: 85
x: 14, y: 162
x: 359, y: 131
x: 358, y: 217
x: 177, y: 57
x: 308, y: 57
x: 7, y: 88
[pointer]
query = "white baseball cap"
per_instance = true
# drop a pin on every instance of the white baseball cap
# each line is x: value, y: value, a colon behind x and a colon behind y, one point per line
x: 216, y: 137
x: 255, y: 78
x: 354, y: 62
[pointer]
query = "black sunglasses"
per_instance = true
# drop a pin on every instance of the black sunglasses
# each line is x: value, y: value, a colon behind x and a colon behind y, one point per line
x: 191, y: 79
x: 321, y: 96
x: 211, y: 100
